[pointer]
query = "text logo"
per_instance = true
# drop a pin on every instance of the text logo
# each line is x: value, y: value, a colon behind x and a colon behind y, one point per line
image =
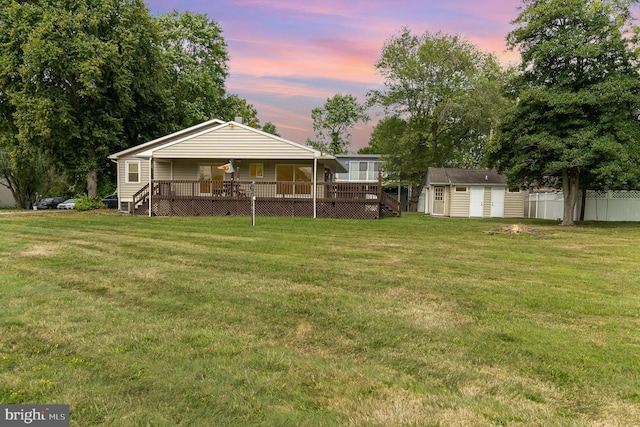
x: 34, y: 415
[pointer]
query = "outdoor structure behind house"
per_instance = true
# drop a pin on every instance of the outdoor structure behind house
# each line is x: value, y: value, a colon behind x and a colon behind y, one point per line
x: 216, y: 168
x: 468, y: 193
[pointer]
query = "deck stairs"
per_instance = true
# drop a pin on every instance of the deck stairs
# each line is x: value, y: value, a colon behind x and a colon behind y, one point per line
x: 389, y: 206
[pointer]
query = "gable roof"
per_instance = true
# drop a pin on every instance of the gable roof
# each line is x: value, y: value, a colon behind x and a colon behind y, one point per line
x: 451, y: 176
x: 216, y: 139
x: 232, y: 140
x: 164, y: 139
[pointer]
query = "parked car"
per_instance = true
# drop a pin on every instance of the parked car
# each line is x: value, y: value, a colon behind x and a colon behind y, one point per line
x: 111, y: 201
x: 67, y: 204
x: 49, y: 203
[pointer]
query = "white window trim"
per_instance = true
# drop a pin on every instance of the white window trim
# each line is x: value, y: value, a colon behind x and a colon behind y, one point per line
x: 126, y: 171
x: 455, y: 189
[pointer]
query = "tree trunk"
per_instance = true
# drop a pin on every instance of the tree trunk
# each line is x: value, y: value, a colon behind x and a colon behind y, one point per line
x: 21, y: 200
x: 583, y: 203
x: 570, y: 182
x: 415, y: 197
x: 92, y: 184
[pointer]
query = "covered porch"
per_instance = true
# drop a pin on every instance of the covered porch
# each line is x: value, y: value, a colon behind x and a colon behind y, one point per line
x: 355, y: 200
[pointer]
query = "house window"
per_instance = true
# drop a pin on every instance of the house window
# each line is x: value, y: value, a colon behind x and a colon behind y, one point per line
x: 513, y: 190
x: 438, y: 194
x: 461, y: 189
x: 256, y: 170
x: 132, y: 172
x: 364, y: 171
x: 211, y: 178
x: 292, y: 179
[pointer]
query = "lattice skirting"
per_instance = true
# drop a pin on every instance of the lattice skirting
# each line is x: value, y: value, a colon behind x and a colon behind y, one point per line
x: 359, y: 209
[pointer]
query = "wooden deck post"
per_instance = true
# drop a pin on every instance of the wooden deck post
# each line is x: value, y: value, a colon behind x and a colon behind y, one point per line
x: 150, y: 183
x: 315, y: 185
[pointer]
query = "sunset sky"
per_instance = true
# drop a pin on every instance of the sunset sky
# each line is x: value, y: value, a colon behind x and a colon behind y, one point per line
x: 287, y: 57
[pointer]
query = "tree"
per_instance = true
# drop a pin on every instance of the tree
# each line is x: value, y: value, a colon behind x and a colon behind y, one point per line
x: 196, y: 68
x: 332, y: 122
x: 578, y: 98
x: 441, y: 101
x: 72, y: 73
x: 26, y: 173
x: 80, y: 80
x: 402, y: 162
x: 270, y: 128
x: 234, y: 107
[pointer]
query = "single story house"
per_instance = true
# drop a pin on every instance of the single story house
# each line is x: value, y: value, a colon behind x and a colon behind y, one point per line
x: 220, y: 168
x: 465, y: 193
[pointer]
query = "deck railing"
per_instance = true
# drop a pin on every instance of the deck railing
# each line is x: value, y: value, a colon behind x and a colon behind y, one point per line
x: 212, y: 189
x: 139, y: 198
x: 281, y: 198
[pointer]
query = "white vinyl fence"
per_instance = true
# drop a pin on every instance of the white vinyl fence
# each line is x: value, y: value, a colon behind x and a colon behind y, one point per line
x: 600, y: 206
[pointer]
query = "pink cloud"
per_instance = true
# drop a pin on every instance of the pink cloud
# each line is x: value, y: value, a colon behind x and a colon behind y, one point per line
x: 344, y: 60
x: 325, y: 7
x: 288, y: 56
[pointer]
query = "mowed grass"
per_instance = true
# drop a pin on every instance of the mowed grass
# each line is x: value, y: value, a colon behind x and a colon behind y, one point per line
x: 400, y: 322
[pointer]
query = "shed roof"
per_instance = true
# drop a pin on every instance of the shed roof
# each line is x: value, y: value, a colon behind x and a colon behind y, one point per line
x: 451, y: 176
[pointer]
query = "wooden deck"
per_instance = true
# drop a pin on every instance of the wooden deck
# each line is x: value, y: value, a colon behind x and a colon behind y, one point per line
x: 356, y: 200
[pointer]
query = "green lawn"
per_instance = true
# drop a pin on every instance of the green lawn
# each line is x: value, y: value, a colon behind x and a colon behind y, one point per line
x: 300, y: 322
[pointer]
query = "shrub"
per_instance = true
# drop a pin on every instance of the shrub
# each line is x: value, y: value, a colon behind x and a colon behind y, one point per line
x: 88, y: 203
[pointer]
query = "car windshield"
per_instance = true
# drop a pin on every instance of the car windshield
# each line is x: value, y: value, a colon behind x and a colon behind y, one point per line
x: 46, y: 200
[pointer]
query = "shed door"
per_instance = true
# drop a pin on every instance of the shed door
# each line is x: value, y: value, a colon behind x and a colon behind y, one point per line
x: 497, y: 202
x: 476, y: 202
x: 438, y: 200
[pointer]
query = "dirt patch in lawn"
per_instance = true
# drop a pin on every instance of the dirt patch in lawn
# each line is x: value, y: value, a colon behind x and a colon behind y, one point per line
x: 515, y: 229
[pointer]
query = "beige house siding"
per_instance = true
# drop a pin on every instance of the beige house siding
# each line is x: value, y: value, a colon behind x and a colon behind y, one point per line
x: 447, y: 201
x: 514, y: 204
x: 459, y: 203
x: 189, y: 168
x: 231, y: 143
x: 127, y: 190
x: 486, y: 203
x: 163, y: 169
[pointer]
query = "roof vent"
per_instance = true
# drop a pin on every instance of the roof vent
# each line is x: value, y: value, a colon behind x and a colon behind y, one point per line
x: 238, y: 120
x: 486, y: 177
